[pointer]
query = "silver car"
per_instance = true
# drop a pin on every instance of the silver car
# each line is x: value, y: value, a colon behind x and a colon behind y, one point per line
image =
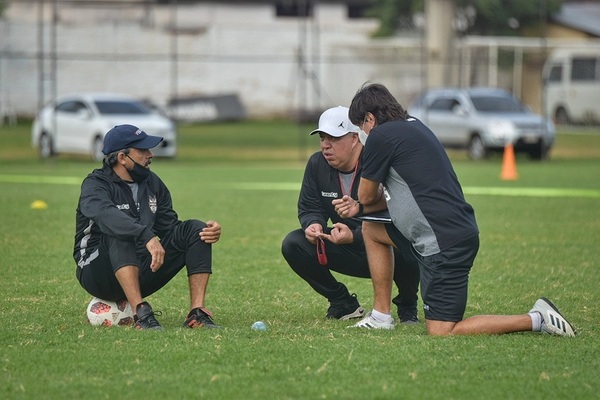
x: 483, y: 120
x: 77, y: 124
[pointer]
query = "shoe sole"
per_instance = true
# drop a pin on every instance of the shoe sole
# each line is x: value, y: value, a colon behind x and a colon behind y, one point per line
x: 358, y: 313
x: 369, y: 325
x: 195, y: 324
x: 154, y: 328
x: 409, y: 322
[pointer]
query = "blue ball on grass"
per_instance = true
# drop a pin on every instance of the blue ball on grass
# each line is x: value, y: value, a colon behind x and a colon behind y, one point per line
x: 259, y: 326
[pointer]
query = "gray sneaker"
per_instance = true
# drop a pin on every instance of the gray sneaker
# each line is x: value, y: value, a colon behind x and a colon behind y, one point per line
x: 553, y: 323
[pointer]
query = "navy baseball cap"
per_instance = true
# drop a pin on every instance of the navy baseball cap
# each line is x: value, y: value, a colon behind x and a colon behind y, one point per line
x: 127, y: 136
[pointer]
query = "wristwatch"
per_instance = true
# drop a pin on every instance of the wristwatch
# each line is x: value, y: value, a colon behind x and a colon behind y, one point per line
x: 361, y: 209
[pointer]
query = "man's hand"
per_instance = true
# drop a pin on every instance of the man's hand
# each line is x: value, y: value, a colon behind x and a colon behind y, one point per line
x: 312, y: 232
x: 211, y: 233
x: 340, y: 234
x: 346, y: 207
x: 157, y: 252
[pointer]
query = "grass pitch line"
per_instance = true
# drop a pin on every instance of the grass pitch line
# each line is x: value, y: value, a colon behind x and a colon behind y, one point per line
x: 277, y: 186
x: 56, y: 180
x: 470, y: 190
x: 295, y: 186
x: 531, y: 192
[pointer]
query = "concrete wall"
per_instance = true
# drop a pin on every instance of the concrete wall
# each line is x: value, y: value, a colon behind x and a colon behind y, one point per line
x: 276, y: 65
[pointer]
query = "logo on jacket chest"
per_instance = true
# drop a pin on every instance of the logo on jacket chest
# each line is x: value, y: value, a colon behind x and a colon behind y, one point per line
x: 153, y: 204
x: 329, y: 194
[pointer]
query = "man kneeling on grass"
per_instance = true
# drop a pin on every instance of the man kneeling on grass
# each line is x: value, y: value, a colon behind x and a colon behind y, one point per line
x: 129, y: 242
x: 430, y: 214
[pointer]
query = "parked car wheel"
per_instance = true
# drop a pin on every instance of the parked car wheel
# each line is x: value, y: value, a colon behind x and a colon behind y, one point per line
x: 540, y: 152
x: 477, y: 149
x: 97, y: 146
x: 46, y: 147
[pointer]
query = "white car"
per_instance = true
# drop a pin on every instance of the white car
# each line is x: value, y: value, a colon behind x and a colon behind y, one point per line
x: 483, y: 120
x: 77, y: 124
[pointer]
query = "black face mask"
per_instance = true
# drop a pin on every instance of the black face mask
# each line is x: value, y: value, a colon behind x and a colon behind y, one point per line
x: 138, y: 173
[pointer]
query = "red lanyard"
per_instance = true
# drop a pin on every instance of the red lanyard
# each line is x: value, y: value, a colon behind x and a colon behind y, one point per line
x: 321, y: 256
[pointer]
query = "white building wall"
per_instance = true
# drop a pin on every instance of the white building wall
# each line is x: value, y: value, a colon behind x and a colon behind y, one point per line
x: 221, y: 49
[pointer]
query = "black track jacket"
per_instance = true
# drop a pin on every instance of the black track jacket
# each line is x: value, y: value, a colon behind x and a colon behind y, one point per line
x: 320, y: 185
x: 106, y: 206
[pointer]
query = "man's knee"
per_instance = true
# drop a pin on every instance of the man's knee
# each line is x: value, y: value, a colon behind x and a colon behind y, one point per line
x: 185, y: 233
x: 292, y: 242
x: 375, y: 232
x: 193, y: 225
x: 439, y: 328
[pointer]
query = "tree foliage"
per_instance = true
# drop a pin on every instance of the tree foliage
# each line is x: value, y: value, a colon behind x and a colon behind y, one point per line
x: 507, y: 17
x: 478, y: 17
x: 389, y: 13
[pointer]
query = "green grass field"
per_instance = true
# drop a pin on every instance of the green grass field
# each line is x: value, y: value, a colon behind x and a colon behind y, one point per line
x: 540, y: 235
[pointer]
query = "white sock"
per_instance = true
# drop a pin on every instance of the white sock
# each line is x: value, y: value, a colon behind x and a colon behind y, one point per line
x: 379, y: 316
x: 536, y: 321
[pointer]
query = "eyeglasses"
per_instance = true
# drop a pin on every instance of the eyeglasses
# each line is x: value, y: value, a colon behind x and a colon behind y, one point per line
x: 321, y: 256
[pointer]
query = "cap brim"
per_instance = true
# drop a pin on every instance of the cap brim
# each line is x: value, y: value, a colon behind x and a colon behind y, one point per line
x: 149, y: 142
x: 336, y: 134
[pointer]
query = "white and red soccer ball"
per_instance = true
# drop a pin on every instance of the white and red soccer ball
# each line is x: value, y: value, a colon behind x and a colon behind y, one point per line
x: 109, y: 313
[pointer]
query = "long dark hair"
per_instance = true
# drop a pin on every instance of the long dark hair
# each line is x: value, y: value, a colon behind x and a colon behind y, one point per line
x: 376, y: 99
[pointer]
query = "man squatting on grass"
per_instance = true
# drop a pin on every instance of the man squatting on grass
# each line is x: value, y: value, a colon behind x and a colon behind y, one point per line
x: 329, y: 174
x: 129, y: 242
x: 429, y: 211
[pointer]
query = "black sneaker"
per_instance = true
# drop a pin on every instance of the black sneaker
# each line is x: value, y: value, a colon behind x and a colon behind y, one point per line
x: 347, y: 310
x: 408, y: 316
x: 144, y: 317
x: 200, y: 317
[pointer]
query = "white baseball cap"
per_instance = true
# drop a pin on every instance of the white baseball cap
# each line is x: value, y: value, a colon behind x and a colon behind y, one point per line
x: 335, y: 122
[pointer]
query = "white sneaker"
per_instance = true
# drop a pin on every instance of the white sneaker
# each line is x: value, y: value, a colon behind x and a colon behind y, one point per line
x: 553, y: 323
x: 369, y: 322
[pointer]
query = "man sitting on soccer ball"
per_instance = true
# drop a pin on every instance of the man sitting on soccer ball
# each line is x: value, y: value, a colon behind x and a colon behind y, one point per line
x: 129, y: 242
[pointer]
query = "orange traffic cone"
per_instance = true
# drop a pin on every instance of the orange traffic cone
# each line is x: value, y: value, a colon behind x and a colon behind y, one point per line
x: 509, y: 166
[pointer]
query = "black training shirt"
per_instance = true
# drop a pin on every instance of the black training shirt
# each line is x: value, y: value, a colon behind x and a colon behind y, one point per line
x: 423, y: 194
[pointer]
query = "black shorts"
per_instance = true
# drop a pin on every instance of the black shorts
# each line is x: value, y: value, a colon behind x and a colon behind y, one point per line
x: 444, y: 277
x: 182, y: 246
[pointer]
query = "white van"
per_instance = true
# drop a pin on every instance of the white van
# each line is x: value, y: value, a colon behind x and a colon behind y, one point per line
x: 572, y: 85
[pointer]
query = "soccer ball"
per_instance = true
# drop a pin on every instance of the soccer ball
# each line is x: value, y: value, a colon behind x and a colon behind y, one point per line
x: 109, y: 313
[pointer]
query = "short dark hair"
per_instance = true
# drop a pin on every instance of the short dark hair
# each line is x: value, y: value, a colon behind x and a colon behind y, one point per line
x: 376, y: 99
x: 111, y: 158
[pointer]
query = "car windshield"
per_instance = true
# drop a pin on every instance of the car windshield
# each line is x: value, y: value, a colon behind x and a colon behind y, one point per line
x: 496, y: 104
x: 121, y: 107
